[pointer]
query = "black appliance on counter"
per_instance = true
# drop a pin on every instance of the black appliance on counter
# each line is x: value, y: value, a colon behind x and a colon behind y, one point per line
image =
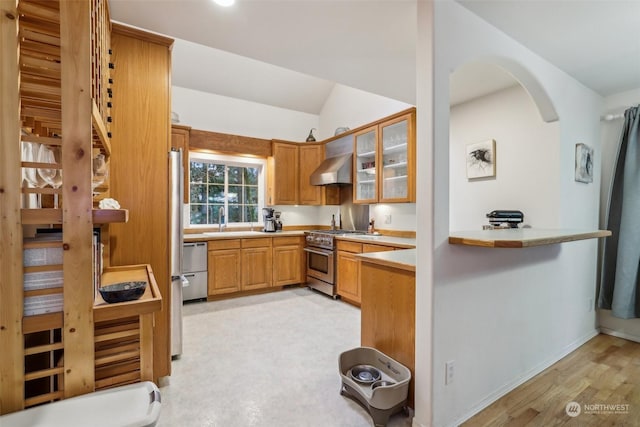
x: 512, y: 218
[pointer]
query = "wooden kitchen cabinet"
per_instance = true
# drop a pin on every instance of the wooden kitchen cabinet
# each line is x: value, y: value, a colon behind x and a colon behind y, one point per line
x: 388, y: 313
x: 384, y: 161
x: 180, y: 140
x: 224, y: 266
x: 256, y: 263
x: 347, y: 272
x: 311, y: 155
x: 290, y: 167
x: 348, y: 268
x: 288, y: 263
x: 139, y: 175
x: 282, y: 182
x: 347, y: 277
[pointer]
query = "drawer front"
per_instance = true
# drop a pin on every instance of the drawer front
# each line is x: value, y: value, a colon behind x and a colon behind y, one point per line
x: 368, y: 247
x: 215, y: 245
x: 261, y: 242
x: 343, y: 245
x: 197, y: 287
x: 194, y: 256
x: 287, y: 241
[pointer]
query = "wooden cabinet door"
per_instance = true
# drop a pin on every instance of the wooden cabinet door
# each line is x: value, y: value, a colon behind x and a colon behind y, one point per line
x: 256, y: 268
x: 369, y: 247
x: 396, y: 160
x: 284, y: 169
x: 180, y: 139
x: 388, y: 313
x: 347, y: 280
x: 365, y: 166
x: 224, y: 271
x: 139, y: 172
x: 310, y: 158
x: 287, y: 262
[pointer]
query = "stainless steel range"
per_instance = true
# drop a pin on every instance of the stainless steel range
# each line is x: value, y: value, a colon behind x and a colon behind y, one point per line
x: 321, y: 259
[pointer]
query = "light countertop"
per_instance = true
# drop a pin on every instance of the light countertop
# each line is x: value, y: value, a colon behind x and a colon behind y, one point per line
x: 401, y: 242
x: 522, y: 237
x: 403, y: 259
x: 200, y: 237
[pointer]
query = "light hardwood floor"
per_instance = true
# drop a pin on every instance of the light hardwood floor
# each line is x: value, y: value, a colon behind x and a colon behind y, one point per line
x: 604, y: 371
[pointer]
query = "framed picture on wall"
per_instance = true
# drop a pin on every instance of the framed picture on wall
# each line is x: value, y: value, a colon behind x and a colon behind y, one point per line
x: 584, y: 163
x: 481, y: 159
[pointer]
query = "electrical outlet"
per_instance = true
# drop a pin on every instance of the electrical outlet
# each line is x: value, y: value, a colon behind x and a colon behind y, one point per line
x: 387, y: 219
x: 448, y: 379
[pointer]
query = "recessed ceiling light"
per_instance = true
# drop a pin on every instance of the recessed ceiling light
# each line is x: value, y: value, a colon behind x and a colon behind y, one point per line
x: 224, y: 3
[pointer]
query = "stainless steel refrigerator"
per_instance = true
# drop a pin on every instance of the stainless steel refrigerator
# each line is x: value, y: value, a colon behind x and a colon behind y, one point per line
x: 175, y: 243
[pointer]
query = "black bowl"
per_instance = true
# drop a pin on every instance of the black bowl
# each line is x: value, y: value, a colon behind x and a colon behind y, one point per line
x: 121, y: 292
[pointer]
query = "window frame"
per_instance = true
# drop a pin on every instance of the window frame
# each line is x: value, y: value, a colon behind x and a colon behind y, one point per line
x: 229, y: 160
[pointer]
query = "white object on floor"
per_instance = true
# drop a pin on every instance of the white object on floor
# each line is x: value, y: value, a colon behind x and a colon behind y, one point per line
x: 134, y: 405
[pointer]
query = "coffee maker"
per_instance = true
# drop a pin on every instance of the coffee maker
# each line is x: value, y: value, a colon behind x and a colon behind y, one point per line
x: 268, y: 220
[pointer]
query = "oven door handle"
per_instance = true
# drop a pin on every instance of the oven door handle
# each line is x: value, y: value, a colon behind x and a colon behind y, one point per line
x: 318, y: 252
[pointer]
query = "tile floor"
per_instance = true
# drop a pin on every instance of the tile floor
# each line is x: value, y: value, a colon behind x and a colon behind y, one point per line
x: 265, y: 360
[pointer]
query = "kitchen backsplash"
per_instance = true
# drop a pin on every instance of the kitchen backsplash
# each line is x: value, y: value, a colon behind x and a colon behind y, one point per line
x: 402, y: 216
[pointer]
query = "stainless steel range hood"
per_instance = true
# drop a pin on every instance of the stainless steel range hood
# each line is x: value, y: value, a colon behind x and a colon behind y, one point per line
x: 334, y: 170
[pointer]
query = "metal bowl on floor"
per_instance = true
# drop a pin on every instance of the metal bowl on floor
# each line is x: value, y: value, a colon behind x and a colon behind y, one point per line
x: 121, y: 292
x: 365, y: 374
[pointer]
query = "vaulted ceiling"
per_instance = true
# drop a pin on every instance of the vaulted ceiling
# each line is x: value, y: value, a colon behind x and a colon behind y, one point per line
x: 289, y: 53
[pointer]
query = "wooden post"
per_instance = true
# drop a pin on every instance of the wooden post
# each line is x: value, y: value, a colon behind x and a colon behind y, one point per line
x: 11, y: 285
x: 78, y: 333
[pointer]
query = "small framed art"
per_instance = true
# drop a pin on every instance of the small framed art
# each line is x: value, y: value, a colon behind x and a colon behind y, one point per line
x: 584, y: 163
x: 481, y: 159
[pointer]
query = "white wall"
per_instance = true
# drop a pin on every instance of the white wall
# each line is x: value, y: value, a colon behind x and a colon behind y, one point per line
x: 350, y: 107
x: 207, y: 111
x: 503, y: 315
x: 527, y: 159
x: 611, y: 131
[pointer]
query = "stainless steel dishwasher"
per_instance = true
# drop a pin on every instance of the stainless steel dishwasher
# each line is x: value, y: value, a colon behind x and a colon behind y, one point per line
x: 194, y: 266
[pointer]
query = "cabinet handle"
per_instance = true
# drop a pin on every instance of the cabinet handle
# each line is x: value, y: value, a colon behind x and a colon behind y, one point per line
x: 189, y: 275
x: 188, y: 245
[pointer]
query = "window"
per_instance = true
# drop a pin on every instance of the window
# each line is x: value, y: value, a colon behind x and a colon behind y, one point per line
x: 228, y: 184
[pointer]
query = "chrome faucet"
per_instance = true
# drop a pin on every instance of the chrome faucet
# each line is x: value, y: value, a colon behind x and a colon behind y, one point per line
x: 221, y: 219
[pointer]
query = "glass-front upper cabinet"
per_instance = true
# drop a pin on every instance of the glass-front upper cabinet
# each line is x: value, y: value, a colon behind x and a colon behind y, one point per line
x: 394, y: 160
x: 365, y: 149
x: 384, y: 161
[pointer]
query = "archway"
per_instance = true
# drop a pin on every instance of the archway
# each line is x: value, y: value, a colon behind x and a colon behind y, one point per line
x: 512, y: 122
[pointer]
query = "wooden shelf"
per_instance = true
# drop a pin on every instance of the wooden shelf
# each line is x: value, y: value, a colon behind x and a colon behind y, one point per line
x: 150, y: 302
x: 109, y: 216
x: 54, y: 216
x: 522, y: 237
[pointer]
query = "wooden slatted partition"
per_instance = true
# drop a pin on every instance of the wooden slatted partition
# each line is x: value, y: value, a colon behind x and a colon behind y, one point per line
x: 12, y: 359
x: 77, y: 225
x: 117, y: 350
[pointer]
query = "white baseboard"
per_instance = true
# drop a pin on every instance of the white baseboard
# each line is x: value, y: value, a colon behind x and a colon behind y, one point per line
x: 619, y: 334
x: 524, y: 378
